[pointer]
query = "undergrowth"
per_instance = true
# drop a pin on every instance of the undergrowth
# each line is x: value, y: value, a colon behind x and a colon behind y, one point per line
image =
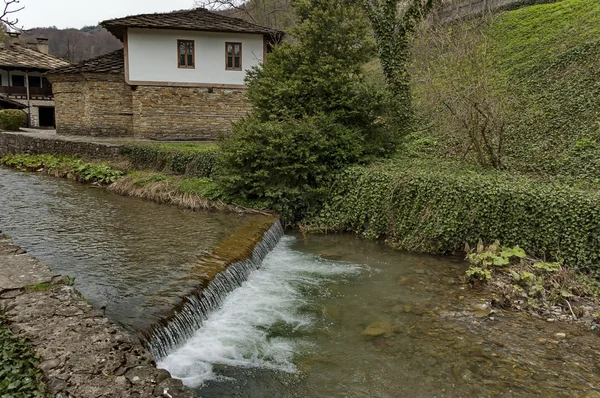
x: 63, y: 166
x: 546, y: 59
x: 20, y: 376
x: 526, y: 282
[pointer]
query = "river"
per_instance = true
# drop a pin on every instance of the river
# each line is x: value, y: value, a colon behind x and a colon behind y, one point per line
x: 325, y: 316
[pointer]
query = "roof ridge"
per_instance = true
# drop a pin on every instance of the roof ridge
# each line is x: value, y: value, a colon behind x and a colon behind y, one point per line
x: 149, y: 14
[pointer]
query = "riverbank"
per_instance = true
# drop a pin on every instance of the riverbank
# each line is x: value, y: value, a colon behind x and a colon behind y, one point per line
x: 80, y: 352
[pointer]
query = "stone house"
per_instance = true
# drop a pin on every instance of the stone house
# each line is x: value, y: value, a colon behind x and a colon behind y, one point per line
x: 179, y: 76
x: 22, y: 84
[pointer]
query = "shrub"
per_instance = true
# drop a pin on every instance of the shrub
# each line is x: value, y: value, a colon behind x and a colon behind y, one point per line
x: 195, y: 161
x: 426, y: 206
x: 311, y: 112
x: 286, y: 165
x: 11, y: 119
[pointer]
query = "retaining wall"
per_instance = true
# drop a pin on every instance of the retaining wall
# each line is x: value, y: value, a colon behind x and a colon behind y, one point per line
x: 13, y: 143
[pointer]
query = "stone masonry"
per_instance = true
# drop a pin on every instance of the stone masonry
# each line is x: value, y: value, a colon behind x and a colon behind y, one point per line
x: 184, y: 113
x: 93, y: 104
x: 82, y: 353
x: 103, y: 105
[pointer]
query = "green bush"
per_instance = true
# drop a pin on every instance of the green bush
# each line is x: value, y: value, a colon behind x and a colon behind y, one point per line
x: 312, y: 113
x: 20, y: 376
x: 286, y: 165
x: 11, y: 119
x: 423, y: 205
x: 195, y: 161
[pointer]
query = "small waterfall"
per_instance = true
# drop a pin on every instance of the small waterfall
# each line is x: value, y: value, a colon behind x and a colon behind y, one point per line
x: 172, y: 333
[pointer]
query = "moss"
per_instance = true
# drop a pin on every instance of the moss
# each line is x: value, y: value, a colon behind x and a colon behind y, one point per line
x: 236, y: 248
x: 40, y: 287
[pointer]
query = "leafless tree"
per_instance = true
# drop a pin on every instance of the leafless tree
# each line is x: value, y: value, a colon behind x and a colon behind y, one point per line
x: 460, y: 90
x: 276, y: 14
x: 7, y: 17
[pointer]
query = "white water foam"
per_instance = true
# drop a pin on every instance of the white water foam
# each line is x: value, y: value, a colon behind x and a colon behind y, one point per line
x: 238, y: 334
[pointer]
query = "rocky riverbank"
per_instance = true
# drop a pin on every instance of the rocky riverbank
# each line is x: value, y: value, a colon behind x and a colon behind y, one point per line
x: 81, y: 353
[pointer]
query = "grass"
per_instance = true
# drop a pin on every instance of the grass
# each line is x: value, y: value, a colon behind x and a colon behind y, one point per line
x: 187, y: 192
x: 546, y: 59
x: 533, y: 36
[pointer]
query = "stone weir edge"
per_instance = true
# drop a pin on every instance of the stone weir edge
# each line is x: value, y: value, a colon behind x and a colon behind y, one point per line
x: 82, y: 353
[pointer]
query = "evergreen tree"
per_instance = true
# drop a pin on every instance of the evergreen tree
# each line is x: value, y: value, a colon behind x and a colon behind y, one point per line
x: 312, y: 114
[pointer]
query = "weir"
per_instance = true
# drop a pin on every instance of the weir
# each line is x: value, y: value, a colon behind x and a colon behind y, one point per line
x: 173, y: 332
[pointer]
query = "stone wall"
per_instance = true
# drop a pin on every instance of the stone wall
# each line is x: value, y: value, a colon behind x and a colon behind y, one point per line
x: 102, y: 104
x: 14, y: 143
x: 186, y: 113
x: 97, y: 104
x: 35, y: 110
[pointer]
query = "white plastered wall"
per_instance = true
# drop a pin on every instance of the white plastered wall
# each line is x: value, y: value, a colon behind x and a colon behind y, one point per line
x: 153, y: 57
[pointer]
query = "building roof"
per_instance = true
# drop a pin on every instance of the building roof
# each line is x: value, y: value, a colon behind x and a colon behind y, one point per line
x: 7, y: 103
x: 19, y: 56
x: 198, y: 19
x: 113, y: 62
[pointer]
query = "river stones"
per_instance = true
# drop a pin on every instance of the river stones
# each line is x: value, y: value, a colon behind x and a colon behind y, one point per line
x: 376, y: 329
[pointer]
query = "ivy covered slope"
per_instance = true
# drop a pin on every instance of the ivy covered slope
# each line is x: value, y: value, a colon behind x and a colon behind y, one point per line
x: 547, y: 59
x: 427, y: 206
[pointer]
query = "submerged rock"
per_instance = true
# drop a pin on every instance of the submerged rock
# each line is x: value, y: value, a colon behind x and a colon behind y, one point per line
x: 376, y: 329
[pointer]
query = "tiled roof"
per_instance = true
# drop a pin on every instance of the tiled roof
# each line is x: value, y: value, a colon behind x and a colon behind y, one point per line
x: 109, y: 63
x: 198, y: 19
x: 20, y: 56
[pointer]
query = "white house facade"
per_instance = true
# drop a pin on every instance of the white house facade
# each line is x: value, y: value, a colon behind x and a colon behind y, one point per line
x: 180, y: 76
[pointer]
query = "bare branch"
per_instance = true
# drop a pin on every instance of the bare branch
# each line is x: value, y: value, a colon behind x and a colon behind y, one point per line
x: 11, y: 7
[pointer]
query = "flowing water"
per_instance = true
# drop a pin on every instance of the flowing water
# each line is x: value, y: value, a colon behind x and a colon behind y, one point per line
x: 299, y: 328
x: 126, y: 254
x: 324, y: 316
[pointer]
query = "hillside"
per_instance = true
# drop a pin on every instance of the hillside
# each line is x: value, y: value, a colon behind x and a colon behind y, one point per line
x: 76, y: 45
x: 538, y: 65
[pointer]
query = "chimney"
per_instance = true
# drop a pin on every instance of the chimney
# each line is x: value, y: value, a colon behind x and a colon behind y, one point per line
x: 42, y: 45
x: 13, y: 37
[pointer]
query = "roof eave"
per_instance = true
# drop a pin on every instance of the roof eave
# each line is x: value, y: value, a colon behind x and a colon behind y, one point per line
x: 119, y: 30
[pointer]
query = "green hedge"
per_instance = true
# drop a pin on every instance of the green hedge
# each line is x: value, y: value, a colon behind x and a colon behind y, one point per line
x: 11, y: 119
x: 426, y: 206
x: 191, y: 160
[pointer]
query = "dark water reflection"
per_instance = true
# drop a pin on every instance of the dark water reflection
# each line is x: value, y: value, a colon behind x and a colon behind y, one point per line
x: 125, y: 253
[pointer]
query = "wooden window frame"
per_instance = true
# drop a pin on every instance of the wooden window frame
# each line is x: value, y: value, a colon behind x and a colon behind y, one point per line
x: 233, y: 68
x: 186, y: 42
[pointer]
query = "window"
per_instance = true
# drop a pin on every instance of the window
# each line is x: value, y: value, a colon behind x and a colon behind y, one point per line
x: 35, y: 81
x: 233, y: 56
x: 185, y: 53
x: 18, y: 81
